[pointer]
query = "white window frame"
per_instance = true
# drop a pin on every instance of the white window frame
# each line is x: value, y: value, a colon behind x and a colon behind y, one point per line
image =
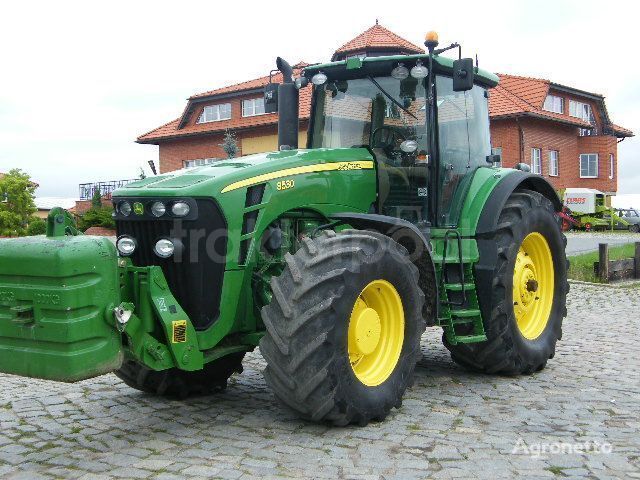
x: 611, y: 166
x: 536, y: 161
x: 580, y: 110
x: 198, y: 162
x: 251, y: 111
x: 586, y: 157
x: 214, y: 113
x: 554, y: 103
x: 554, y: 163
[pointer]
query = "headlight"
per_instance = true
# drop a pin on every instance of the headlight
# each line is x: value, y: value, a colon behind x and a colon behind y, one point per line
x: 409, y: 146
x: 164, y: 248
x: 400, y: 72
x: 124, y: 208
x: 158, y: 209
x: 126, y: 245
x: 419, y: 71
x: 319, y: 79
x: 180, y: 209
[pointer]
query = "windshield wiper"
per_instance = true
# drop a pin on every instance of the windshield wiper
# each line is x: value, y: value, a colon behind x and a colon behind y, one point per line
x: 396, y: 103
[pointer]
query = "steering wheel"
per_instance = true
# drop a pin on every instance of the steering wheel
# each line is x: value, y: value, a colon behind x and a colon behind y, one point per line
x: 390, y: 138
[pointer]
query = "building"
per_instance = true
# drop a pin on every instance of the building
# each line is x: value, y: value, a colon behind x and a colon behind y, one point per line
x: 563, y: 133
x: 45, y: 204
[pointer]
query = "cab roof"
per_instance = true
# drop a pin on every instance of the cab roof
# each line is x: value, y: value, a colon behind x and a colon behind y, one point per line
x: 378, y: 65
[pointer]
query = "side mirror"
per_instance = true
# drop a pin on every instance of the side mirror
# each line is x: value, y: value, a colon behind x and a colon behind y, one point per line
x: 463, y: 74
x: 271, y: 98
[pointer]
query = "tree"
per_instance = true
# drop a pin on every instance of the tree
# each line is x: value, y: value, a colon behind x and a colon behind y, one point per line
x: 37, y: 226
x: 96, y: 199
x: 16, y: 203
x: 230, y: 144
x: 97, y: 217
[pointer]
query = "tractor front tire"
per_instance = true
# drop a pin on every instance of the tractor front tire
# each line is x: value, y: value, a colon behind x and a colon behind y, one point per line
x: 180, y: 384
x: 343, y: 328
x: 528, y: 301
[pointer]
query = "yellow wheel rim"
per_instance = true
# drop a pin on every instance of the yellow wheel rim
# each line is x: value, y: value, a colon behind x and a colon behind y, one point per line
x: 376, y: 333
x: 533, y: 286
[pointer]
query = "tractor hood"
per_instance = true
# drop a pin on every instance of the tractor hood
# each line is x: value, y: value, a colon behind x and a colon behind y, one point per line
x: 226, y: 175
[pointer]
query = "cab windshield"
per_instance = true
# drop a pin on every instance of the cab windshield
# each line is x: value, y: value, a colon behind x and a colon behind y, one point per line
x: 389, y: 116
x: 375, y: 112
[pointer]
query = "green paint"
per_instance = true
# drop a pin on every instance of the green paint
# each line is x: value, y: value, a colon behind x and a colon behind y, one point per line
x: 79, y: 334
x: 57, y: 296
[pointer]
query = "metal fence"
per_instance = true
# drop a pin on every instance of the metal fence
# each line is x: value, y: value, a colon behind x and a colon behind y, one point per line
x: 88, y: 190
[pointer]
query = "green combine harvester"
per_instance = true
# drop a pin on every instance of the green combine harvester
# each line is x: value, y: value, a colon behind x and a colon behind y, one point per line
x: 333, y: 258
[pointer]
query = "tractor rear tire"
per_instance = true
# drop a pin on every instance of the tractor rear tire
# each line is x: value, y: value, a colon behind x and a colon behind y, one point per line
x: 343, y: 328
x: 522, y: 342
x: 180, y: 384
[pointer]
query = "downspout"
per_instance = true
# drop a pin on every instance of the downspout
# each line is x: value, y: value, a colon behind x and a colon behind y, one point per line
x: 520, y: 139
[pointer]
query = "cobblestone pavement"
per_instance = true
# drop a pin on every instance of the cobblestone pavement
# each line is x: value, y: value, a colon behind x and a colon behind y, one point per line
x: 453, y: 424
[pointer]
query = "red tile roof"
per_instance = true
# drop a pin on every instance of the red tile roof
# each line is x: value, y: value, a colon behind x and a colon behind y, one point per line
x: 172, y: 129
x: 249, y: 84
x: 377, y: 38
x: 520, y: 96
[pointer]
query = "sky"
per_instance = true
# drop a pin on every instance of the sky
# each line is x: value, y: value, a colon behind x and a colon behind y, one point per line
x: 80, y: 80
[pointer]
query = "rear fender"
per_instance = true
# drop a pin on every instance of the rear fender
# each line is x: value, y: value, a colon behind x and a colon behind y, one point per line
x: 410, y: 237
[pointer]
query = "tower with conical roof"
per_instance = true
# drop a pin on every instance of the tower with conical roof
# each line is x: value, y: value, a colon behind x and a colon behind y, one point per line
x: 375, y: 42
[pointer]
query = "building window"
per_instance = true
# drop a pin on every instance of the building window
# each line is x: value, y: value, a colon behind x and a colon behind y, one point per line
x: 587, y: 132
x: 199, y: 162
x: 611, y: 165
x: 581, y: 110
x: 553, y: 163
x: 588, y: 165
x: 554, y: 104
x: 536, y: 161
x: 215, y: 113
x: 497, y: 151
x: 361, y: 56
x: 391, y: 111
x: 253, y: 106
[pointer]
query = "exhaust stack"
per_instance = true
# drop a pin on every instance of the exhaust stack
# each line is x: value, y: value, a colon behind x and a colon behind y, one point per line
x: 288, y: 114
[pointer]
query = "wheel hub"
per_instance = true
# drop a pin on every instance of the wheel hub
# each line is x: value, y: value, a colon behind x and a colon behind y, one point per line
x: 366, y: 331
x: 533, y: 285
x: 376, y: 333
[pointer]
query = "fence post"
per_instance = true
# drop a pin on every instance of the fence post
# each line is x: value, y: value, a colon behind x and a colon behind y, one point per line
x: 603, y: 262
x: 637, y: 258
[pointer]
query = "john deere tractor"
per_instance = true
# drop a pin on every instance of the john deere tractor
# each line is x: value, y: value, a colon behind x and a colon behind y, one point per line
x: 333, y: 258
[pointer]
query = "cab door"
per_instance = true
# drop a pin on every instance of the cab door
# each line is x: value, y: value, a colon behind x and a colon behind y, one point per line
x: 463, y: 145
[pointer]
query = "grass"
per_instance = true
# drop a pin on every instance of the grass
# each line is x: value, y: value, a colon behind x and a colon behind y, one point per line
x: 581, y: 266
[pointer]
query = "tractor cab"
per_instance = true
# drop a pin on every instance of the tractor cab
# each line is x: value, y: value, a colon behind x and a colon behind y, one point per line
x: 424, y: 118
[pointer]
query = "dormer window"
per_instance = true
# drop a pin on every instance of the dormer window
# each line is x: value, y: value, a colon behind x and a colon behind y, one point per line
x: 554, y: 104
x: 252, y: 107
x: 581, y: 110
x: 215, y: 113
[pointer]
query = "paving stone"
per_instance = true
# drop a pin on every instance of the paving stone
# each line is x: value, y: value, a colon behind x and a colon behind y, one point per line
x: 453, y: 423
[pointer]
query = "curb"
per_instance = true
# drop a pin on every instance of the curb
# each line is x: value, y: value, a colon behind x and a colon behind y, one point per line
x: 610, y: 285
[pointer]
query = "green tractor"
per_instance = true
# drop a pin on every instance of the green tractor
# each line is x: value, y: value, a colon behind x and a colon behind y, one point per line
x: 333, y: 259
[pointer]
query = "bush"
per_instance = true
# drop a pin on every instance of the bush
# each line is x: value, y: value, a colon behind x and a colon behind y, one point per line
x: 97, y: 217
x: 37, y: 226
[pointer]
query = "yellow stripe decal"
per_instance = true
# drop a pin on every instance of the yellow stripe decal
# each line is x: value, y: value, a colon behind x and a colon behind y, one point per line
x: 318, y: 167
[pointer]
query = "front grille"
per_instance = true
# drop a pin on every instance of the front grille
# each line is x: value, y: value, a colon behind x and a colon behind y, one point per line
x: 194, y: 276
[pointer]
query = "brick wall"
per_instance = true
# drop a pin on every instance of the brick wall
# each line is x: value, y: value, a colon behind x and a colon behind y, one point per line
x: 552, y: 136
x: 174, y: 152
x: 504, y: 133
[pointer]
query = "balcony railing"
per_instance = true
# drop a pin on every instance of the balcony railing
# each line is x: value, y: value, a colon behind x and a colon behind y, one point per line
x: 88, y: 190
